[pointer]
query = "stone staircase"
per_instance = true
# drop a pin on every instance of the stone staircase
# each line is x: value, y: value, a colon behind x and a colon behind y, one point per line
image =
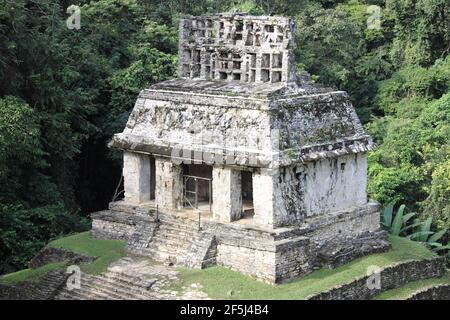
x: 117, y: 283
x: 131, y: 278
x: 178, y: 240
x: 110, y: 286
x: 142, y: 235
x: 44, y: 289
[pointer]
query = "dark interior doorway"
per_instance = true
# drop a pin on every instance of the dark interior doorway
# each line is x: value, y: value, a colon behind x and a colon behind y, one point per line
x: 152, y: 178
x: 247, y: 193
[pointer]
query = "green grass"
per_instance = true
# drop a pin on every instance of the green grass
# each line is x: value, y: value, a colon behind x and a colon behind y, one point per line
x: 404, y: 291
x: 218, y: 282
x: 29, y: 274
x: 106, y: 251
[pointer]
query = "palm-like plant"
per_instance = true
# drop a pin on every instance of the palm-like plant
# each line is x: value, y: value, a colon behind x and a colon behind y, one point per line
x: 398, y: 224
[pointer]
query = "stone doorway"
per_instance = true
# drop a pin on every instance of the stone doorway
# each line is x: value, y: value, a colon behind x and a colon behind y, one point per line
x: 247, y: 194
x: 197, y: 186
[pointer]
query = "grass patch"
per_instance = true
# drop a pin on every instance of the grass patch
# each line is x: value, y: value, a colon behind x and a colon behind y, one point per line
x: 218, y: 282
x: 404, y: 291
x: 31, y: 275
x: 106, y: 251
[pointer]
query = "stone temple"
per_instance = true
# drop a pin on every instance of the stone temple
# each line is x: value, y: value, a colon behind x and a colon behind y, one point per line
x: 240, y: 162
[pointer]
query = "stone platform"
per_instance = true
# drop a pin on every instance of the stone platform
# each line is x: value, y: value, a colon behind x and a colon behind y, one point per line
x: 272, y: 255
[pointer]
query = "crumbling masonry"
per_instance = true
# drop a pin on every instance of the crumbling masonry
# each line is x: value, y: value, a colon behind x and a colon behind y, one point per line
x: 242, y: 163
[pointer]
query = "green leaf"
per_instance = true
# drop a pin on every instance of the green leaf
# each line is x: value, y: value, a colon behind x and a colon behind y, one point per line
x: 425, y: 229
x: 398, y: 221
x: 419, y: 235
x: 446, y: 247
x: 412, y: 226
x: 408, y: 216
x: 438, y: 235
x: 386, y: 214
x: 434, y: 244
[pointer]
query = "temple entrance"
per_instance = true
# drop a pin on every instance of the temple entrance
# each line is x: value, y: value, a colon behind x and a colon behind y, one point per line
x: 247, y: 194
x: 197, y: 186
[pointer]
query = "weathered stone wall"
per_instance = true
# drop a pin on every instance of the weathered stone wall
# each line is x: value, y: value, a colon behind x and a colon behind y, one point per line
x: 344, y: 224
x: 332, y: 185
x: 294, y: 259
x: 439, y: 292
x: 193, y: 126
x: 391, y: 277
x: 315, y: 119
x: 253, y: 262
x: 112, y: 226
x: 288, y: 195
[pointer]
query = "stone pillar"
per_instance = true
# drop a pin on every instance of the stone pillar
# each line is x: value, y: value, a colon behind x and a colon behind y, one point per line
x: 263, y: 198
x: 227, y: 194
x: 136, y: 173
x: 169, y: 184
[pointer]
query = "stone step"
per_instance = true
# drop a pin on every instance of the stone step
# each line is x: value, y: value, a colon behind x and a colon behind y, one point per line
x: 138, y: 286
x: 78, y: 294
x: 124, y: 277
x: 164, y: 241
x: 103, y: 288
x: 178, y: 228
x: 109, y: 286
x: 181, y: 222
x: 110, y: 289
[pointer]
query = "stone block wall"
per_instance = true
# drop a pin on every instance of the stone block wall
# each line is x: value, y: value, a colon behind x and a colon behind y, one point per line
x: 112, y: 226
x: 196, y: 124
x: 439, y: 292
x: 344, y: 224
x: 253, y: 262
x: 294, y: 259
x: 333, y: 184
x: 390, y: 277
